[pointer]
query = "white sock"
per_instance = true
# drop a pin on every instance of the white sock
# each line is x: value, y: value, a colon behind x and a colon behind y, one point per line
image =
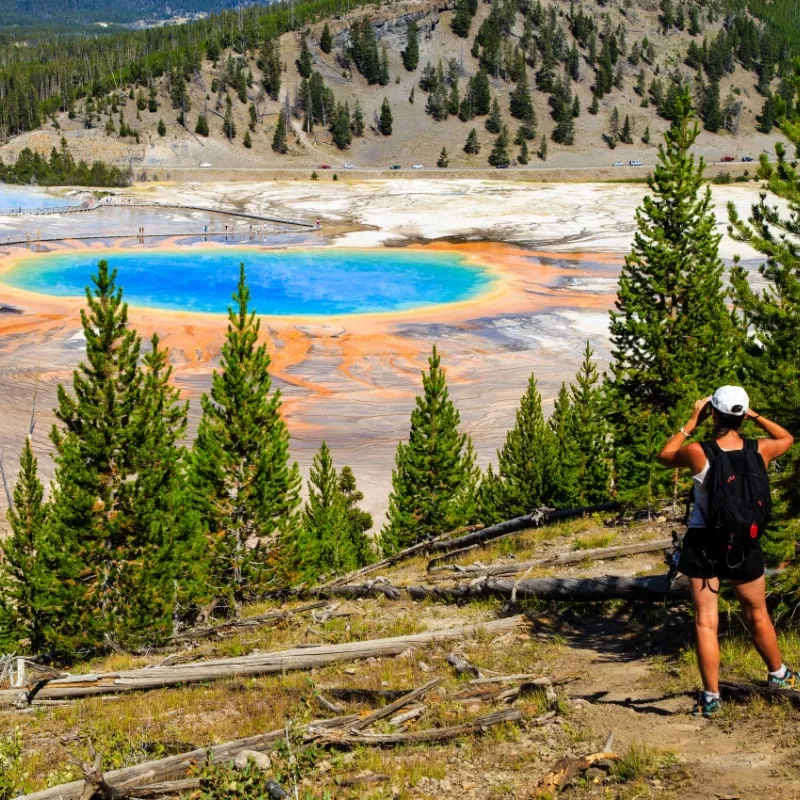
x: 709, y: 696
x: 781, y: 673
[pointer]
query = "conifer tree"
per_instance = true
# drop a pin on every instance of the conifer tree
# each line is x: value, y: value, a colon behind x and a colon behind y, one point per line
x: 340, y: 126
x: 228, y: 125
x: 333, y: 539
x: 279, y: 138
x: 304, y: 61
x: 383, y: 68
x: 670, y: 334
x: 245, y: 489
x: 357, y: 125
x: 112, y: 522
x: 589, y: 433
x: 494, y: 121
x: 360, y: 521
x: 520, y: 103
x: 162, y: 128
x: 472, y: 144
x: 325, y: 39
x: 627, y: 132
x: 430, y: 469
x: 542, y: 151
x: 411, y: 53
x: 443, y: 159
x: 20, y: 580
x: 247, y: 141
x: 526, y: 464
x: 481, y: 93
x: 565, y: 479
x: 767, y: 323
x: 385, y: 121
x: 499, y: 154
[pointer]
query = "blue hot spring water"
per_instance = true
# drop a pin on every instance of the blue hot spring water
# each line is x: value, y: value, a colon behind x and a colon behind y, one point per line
x: 13, y: 198
x: 286, y: 282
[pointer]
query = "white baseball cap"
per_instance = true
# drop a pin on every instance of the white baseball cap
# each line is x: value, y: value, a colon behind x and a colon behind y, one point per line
x: 731, y: 400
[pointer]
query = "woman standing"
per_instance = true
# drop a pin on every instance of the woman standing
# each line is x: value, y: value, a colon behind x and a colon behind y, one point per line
x: 705, y: 557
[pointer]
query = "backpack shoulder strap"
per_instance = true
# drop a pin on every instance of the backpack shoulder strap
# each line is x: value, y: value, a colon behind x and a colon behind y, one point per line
x: 751, y: 444
x: 711, y: 449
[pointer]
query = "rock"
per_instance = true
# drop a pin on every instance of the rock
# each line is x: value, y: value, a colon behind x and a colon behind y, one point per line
x: 260, y: 760
x: 407, y: 653
x: 595, y: 775
x: 324, y: 765
x: 423, y: 666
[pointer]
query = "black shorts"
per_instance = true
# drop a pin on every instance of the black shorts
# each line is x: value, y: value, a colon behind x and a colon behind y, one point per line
x: 702, y: 557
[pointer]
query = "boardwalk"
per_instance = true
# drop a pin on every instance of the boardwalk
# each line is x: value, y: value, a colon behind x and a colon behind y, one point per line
x: 134, y: 203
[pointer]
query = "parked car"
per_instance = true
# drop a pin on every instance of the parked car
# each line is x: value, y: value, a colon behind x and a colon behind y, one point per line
x: 325, y: 166
x: 347, y: 166
x: 395, y: 166
x: 504, y: 165
x: 747, y: 158
x: 619, y: 163
x: 416, y: 166
x: 634, y: 162
x: 727, y: 158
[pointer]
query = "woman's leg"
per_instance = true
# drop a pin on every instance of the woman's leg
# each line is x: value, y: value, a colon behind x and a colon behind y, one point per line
x: 705, y: 598
x: 753, y: 599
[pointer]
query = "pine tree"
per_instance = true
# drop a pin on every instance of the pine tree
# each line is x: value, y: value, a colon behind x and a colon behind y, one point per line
x: 228, y: 125
x: 646, y: 135
x: 481, y: 93
x: 767, y: 323
x: 520, y: 103
x: 162, y: 128
x: 542, y: 151
x: 472, y: 145
x: 304, y: 62
x: 526, y: 464
x: 244, y: 487
x: 333, y: 539
x: 279, y: 139
x: 411, y: 53
x: 443, y: 159
x: 627, y: 132
x: 711, y: 111
x: 20, y: 579
x: 499, y: 154
x: 429, y: 469
x: 112, y: 527
x: 494, y: 121
x: 670, y: 334
x: 523, y: 156
x: 385, y: 121
x: 247, y: 141
x: 594, y: 107
x: 589, y: 432
x: 357, y: 125
x: 383, y: 68
x: 326, y: 40
x: 565, y: 479
x: 766, y: 120
x: 340, y: 126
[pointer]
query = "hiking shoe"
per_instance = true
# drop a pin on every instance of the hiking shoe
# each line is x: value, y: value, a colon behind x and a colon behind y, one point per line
x: 791, y: 680
x: 706, y: 708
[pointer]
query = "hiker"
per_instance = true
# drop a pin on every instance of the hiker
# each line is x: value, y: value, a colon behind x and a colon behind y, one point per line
x: 710, y: 550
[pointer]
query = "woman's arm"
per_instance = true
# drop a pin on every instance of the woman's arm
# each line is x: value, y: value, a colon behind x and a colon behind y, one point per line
x: 676, y: 453
x: 780, y: 439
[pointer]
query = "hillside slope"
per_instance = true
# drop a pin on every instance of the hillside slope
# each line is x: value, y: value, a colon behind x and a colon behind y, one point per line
x: 417, y: 138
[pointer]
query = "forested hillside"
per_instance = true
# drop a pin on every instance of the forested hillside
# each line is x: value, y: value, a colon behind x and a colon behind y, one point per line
x: 85, y: 12
x: 500, y: 83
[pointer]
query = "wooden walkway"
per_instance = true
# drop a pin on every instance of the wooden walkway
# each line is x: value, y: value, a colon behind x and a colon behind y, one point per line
x: 40, y: 212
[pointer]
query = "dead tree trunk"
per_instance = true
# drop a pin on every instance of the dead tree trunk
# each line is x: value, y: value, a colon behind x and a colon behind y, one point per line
x: 542, y: 516
x: 580, y: 590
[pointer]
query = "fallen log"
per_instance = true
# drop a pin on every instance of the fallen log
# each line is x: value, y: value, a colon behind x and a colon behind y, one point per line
x: 299, y: 658
x: 542, y: 516
x: 654, y: 588
x: 176, y: 767
x: 387, y: 711
x: 565, y: 769
x: 741, y: 692
x: 402, y: 555
x: 574, y: 557
x: 342, y: 738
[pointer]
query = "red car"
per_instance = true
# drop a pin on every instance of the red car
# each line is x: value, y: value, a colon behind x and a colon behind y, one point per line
x: 328, y: 166
x: 727, y: 158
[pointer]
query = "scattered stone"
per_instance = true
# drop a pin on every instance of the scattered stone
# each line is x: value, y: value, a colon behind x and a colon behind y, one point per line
x: 423, y: 666
x: 260, y: 760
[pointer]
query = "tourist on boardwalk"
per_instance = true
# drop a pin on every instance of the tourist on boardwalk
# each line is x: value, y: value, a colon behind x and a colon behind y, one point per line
x: 731, y: 506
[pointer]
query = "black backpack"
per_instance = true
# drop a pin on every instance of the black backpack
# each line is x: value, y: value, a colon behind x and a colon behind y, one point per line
x: 739, y: 502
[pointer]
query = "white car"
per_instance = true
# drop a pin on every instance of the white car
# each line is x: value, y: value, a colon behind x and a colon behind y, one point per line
x: 619, y: 163
x: 417, y: 166
x: 347, y: 166
x: 634, y: 162
x: 205, y: 164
